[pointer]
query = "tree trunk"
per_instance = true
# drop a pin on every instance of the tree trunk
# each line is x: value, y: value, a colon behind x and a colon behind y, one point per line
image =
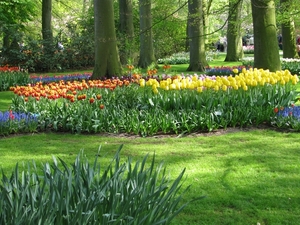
x: 234, y: 37
x: 107, y: 62
x: 266, y: 50
x: 84, y: 3
x: 126, y: 30
x: 289, y: 40
x: 126, y: 17
x: 46, y: 23
x: 47, y: 34
x: 6, y: 42
x: 206, y: 5
x: 146, y: 41
x: 288, y: 32
x: 196, y: 36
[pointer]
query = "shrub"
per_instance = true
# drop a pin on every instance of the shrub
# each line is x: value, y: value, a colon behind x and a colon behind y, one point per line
x: 122, y: 193
x: 77, y: 53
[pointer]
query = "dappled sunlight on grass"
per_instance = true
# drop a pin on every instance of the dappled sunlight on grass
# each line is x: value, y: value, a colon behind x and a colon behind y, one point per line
x: 244, y: 178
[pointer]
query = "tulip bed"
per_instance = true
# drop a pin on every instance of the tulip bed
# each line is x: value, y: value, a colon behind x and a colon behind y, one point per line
x: 162, y: 105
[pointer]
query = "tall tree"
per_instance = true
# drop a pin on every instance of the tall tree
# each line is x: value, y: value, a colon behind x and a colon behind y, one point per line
x: 146, y: 40
x: 47, y: 30
x: 126, y: 29
x: 196, y: 36
x: 266, y: 51
x: 47, y: 21
x: 13, y: 15
x: 107, y: 61
x: 288, y: 29
x: 234, y: 37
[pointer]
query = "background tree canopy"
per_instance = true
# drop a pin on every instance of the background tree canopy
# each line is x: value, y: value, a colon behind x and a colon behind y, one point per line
x: 73, y: 43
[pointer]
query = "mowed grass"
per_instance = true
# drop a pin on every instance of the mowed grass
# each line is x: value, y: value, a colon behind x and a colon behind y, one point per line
x: 248, y: 176
x: 5, y: 100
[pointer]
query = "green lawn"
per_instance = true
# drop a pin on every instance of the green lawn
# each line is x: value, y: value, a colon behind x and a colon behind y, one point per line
x: 248, y: 177
x: 5, y: 100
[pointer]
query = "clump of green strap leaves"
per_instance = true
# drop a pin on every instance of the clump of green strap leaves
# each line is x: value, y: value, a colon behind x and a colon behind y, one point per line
x: 9, y: 79
x: 123, y: 193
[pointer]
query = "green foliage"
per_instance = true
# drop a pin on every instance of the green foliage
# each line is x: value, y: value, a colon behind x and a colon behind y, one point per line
x: 122, y: 193
x: 75, y: 54
x: 10, y: 79
x: 16, y: 11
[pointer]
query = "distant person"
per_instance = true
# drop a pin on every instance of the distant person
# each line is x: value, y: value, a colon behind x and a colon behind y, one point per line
x: 60, y: 46
x: 298, y: 44
x: 279, y: 38
x: 298, y: 40
x: 251, y: 40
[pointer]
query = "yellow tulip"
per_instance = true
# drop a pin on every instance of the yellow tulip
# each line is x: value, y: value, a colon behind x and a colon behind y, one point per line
x: 224, y: 87
x: 172, y: 86
x: 142, y: 82
x: 195, y: 78
x: 199, y: 83
x: 199, y: 89
x: 254, y: 83
x: 169, y: 81
x: 235, y: 71
x: 235, y: 87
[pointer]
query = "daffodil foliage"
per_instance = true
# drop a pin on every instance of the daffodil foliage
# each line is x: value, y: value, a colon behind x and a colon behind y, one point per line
x: 148, y: 106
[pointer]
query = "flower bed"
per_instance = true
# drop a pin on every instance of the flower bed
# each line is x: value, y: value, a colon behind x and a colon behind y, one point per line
x: 287, y: 117
x: 56, y: 78
x: 293, y: 65
x: 8, y: 68
x: 172, y: 105
x: 13, y: 122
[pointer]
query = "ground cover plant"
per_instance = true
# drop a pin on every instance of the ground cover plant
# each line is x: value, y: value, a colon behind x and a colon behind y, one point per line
x: 248, y: 176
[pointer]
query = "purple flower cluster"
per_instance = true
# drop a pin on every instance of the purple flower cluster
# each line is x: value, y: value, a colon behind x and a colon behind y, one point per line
x: 50, y: 79
x: 18, y: 117
x: 290, y: 111
x: 223, y: 70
